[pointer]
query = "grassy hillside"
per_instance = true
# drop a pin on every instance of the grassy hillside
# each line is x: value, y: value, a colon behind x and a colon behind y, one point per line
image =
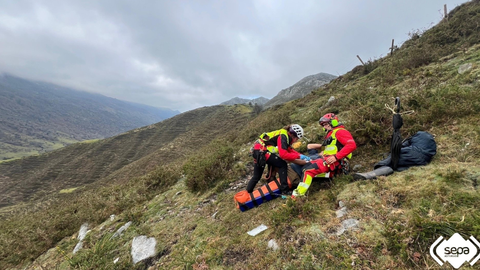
x: 128, y: 155
x: 181, y: 193
x: 38, y: 117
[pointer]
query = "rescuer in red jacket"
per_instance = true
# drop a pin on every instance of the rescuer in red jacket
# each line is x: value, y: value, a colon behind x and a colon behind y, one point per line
x: 274, y: 148
x: 338, y: 144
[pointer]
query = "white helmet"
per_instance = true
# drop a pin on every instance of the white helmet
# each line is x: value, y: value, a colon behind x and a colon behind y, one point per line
x: 298, y: 130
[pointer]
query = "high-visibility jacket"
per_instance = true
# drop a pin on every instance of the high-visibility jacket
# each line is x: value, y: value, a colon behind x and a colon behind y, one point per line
x: 340, y: 146
x: 334, y: 147
x: 279, y: 142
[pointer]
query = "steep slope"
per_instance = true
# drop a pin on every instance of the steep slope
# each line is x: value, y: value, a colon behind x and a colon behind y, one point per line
x: 84, y: 163
x: 397, y: 218
x: 36, y: 117
x: 300, y: 89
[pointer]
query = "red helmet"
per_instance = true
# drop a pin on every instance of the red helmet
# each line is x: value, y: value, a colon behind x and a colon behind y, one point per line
x: 329, y: 118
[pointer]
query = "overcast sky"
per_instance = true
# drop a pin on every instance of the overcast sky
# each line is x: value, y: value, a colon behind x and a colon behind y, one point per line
x: 187, y: 54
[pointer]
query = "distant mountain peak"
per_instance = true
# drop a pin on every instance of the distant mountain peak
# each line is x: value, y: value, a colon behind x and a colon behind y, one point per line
x: 301, y: 88
x: 236, y: 100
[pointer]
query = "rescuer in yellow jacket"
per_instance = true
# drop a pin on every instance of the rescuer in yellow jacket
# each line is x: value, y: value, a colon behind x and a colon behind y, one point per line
x: 274, y: 148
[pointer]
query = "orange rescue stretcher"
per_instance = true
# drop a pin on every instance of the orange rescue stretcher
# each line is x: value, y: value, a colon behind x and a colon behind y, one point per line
x: 245, y: 200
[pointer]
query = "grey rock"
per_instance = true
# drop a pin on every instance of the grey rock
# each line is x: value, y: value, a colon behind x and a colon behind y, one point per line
x: 341, y: 212
x: 357, y: 167
x: 347, y: 224
x: 78, y: 246
x: 273, y: 244
x: 122, y: 229
x: 81, y: 235
x: 350, y: 223
x: 83, y: 231
x: 142, y: 248
x: 464, y: 68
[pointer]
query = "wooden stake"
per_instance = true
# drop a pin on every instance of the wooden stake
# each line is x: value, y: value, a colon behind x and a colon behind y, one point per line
x: 445, y: 11
x: 360, y: 60
x: 391, y: 48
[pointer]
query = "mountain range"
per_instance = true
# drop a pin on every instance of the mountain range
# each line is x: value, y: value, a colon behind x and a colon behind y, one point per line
x: 37, y: 117
x: 298, y: 90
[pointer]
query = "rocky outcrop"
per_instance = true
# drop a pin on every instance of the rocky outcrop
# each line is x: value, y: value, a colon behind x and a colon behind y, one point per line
x: 300, y: 89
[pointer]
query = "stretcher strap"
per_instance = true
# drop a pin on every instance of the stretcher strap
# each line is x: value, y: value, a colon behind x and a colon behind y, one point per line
x: 278, y: 184
x: 262, y: 195
x: 253, y: 199
x: 269, y: 189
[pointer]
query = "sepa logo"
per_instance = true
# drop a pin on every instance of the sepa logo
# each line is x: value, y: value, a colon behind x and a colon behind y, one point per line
x: 456, y: 250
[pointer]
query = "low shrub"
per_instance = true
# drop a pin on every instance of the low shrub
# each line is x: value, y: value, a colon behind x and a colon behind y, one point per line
x: 204, y: 169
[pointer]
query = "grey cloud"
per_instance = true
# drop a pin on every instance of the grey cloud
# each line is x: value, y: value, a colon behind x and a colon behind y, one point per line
x: 187, y: 54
